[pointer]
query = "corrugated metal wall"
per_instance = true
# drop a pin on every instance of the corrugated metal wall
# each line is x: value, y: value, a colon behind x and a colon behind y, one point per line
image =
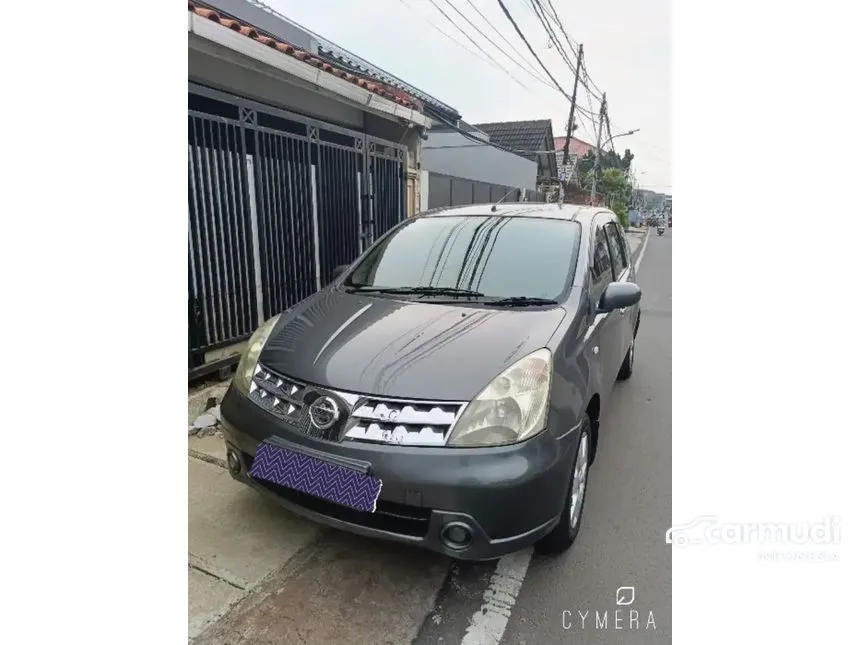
x: 445, y: 190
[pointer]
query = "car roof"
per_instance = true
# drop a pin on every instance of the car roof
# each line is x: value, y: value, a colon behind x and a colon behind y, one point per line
x: 542, y: 210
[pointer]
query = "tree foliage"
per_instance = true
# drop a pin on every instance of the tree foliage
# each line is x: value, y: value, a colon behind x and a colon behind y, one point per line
x: 608, y: 159
x: 612, y: 182
x: 620, y: 209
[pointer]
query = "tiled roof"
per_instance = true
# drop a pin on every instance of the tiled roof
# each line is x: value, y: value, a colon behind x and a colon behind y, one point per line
x: 382, y: 89
x: 330, y: 52
x: 519, y: 135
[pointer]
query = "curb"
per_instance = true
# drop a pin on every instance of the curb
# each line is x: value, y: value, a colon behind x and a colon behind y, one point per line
x: 637, y: 255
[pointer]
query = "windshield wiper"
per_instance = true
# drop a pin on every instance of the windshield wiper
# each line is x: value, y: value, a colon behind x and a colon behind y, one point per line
x: 522, y: 301
x: 422, y: 291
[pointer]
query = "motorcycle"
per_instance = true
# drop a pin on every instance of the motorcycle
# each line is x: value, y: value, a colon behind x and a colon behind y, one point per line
x: 660, y: 230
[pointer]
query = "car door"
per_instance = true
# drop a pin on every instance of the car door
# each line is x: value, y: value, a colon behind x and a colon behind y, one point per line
x: 602, y: 335
x: 621, y: 272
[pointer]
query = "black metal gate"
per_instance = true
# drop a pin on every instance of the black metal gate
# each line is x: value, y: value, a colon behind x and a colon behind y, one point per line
x: 386, y: 169
x: 276, y: 201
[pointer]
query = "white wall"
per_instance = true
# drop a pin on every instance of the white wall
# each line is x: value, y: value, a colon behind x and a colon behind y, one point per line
x: 451, y: 153
x: 425, y: 191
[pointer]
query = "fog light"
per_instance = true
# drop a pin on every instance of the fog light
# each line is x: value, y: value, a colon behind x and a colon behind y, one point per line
x: 456, y: 535
x: 234, y: 464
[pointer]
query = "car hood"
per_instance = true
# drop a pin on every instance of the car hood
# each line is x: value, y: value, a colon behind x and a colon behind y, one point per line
x: 410, y: 349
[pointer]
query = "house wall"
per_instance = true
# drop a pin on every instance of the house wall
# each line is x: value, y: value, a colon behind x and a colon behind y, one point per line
x: 450, y: 153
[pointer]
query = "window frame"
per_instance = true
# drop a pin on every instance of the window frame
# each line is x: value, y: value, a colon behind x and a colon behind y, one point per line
x: 594, y: 280
x: 619, y: 239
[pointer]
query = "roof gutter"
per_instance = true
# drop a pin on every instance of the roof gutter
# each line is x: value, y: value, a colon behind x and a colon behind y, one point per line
x: 343, y: 90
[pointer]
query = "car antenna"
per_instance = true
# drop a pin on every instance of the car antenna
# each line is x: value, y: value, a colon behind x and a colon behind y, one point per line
x: 494, y: 206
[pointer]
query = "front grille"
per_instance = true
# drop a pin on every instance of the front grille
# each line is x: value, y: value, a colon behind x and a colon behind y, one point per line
x: 369, y: 418
x: 277, y: 394
x: 416, y: 423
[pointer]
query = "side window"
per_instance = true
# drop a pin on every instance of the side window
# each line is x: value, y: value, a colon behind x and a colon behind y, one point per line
x: 616, y: 248
x: 601, y: 267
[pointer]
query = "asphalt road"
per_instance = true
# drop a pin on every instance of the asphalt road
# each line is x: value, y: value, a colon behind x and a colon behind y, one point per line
x: 628, y: 506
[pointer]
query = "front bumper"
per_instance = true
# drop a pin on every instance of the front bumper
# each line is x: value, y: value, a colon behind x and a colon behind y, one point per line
x: 508, y: 497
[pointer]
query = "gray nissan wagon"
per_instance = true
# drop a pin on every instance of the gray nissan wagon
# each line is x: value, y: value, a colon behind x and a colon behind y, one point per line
x: 446, y: 389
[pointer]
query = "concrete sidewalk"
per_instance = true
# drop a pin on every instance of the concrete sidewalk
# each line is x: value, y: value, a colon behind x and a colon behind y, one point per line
x: 636, y: 238
x: 257, y: 574
x: 236, y: 538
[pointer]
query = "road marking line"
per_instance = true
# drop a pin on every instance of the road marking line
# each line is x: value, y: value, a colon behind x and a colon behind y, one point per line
x: 487, y: 625
x: 642, y: 252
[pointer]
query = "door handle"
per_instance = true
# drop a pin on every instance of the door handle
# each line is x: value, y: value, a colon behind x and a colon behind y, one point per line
x: 595, y: 349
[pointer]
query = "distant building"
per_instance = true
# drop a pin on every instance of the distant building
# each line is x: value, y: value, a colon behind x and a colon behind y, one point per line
x: 526, y: 139
x: 485, y: 162
x: 578, y: 148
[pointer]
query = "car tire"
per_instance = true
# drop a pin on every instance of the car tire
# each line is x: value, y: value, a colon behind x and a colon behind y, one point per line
x: 626, y: 370
x: 563, y: 535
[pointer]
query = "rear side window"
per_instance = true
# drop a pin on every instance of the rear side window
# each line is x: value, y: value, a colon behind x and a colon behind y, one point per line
x: 601, y: 266
x: 616, y: 248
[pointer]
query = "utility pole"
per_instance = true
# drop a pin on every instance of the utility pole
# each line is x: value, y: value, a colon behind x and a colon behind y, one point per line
x: 570, y: 119
x: 570, y: 128
x: 596, y: 168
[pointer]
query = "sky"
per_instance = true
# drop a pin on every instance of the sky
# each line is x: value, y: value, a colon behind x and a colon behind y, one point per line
x: 627, y: 45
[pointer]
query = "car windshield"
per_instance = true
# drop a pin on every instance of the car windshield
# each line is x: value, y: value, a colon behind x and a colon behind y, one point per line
x: 492, y: 256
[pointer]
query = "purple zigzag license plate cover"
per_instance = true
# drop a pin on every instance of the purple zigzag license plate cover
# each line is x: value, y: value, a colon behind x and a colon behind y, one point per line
x: 316, y: 477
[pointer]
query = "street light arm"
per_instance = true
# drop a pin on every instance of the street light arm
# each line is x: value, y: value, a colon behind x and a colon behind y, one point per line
x: 617, y: 136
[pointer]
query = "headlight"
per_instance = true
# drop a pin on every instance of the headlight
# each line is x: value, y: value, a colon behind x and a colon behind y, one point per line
x: 511, y: 408
x: 245, y: 371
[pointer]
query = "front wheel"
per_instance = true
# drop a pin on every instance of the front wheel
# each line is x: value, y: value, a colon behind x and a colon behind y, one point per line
x: 565, y: 532
x: 626, y: 370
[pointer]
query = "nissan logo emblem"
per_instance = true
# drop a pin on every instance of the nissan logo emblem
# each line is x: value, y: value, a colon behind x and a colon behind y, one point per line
x: 324, y: 413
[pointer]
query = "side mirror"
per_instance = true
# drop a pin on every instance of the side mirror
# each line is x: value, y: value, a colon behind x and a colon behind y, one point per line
x: 338, y: 271
x: 619, y: 295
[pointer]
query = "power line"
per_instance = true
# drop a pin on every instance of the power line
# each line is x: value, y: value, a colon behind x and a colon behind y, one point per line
x: 596, y: 92
x: 585, y: 112
x: 491, y: 41
x: 592, y: 88
x: 545, y: 20
x: 471, y: 40
x: 502, y: 36
x: 525, y: 40
x: 450, y: 37
x: 593, y: 116
x: 573, y: 45
x: 538, y: 10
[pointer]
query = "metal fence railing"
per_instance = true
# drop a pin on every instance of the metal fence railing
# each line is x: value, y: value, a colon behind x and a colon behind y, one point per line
x: 275, y: 201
